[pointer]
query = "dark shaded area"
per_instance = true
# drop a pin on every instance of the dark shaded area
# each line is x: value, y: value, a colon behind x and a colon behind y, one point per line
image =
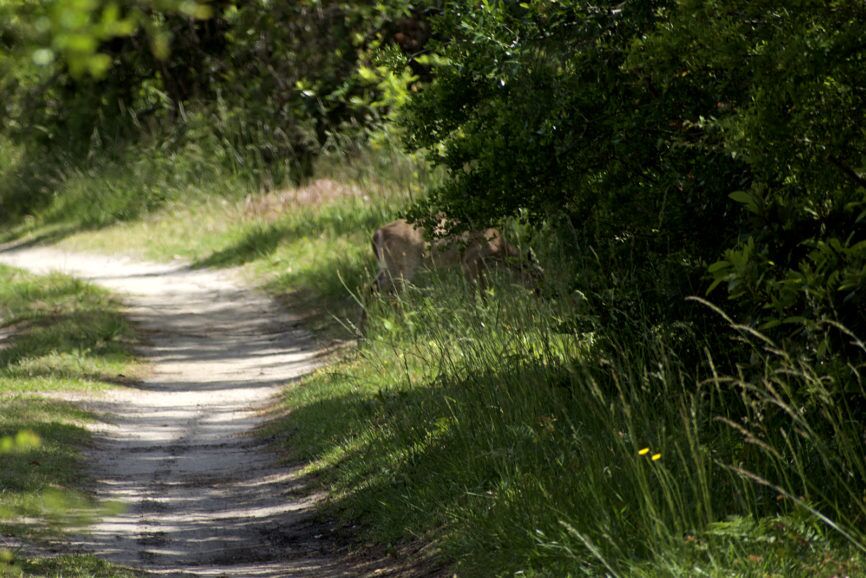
x: 673, y: 149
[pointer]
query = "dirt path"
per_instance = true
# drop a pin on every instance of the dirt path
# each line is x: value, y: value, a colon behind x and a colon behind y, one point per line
x: 203, y: 497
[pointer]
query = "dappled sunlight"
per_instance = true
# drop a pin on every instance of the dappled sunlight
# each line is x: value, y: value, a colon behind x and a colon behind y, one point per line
x: 197, y: 488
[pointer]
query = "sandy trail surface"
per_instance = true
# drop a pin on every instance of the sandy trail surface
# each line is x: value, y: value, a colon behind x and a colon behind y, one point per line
x: 203, y: 497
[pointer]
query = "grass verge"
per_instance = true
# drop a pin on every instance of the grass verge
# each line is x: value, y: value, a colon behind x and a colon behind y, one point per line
x: 74, y: 566
x: 522, y: 449
x: 59, y: 336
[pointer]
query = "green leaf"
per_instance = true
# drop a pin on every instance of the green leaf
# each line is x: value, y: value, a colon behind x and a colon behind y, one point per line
x: 160, y: 44
x: 98, y: 64
x: 719, y: 266
x: 746, y: 199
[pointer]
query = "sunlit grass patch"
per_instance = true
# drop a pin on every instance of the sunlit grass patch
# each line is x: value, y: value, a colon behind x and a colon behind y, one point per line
x: 37, y: 481
x: 60, y: 333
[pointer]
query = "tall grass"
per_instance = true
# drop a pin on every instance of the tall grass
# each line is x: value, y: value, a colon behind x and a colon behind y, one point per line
x: 199, y: 157
x: 520, y: 448
x: 48, y: 189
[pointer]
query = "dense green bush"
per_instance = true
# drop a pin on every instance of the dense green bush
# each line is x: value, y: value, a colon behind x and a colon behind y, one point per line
x: 546, y: 119
x: 670, y: 136
x: 796, y: 120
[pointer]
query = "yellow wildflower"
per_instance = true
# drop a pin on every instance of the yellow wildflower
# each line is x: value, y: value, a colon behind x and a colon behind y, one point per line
x: 657, y: 457
x: 643, y: 452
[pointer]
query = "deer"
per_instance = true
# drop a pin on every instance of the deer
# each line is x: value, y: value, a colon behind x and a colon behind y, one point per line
x: 402, y: 249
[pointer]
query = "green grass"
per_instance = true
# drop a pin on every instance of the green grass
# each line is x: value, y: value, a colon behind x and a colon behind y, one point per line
x: 66, y: 335
x: 515, y: 448
x: 771, y: 547
x: 71, y: 566
x: 504, y: 432
x: 51, y: 195
x: 61, y: 336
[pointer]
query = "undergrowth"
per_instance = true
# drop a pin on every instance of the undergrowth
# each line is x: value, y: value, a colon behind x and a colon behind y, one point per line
x: 74, y: 566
